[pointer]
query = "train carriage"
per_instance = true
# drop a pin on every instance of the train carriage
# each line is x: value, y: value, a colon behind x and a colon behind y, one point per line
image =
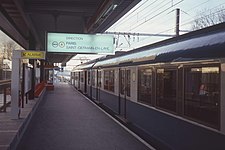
x: 171, y: 92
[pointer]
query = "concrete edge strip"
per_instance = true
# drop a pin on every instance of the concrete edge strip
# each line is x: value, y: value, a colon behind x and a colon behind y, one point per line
x: 13, y: 145
x: 4, y: 146
x: 124, y: 127
x: 8, y: 131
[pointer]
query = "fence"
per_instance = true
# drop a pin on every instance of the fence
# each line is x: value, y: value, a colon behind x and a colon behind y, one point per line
x: 5, y: 95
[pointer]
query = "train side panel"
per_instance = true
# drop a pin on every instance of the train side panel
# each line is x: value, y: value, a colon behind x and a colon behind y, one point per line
x: 171, y: 132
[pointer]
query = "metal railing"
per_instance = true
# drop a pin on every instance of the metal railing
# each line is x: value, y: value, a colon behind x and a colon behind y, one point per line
x: 5, y: 98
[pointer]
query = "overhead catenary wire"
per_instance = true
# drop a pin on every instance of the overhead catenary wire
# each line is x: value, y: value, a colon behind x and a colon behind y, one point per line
x: 127, y: 17
x: 184, y: 23
x: 202, y: 17
x: 132, y: 21
x: 189, y: 21
x: 196, y: 6
x: 199, y: 5
x: 155, y: 9
x: 156, y: 15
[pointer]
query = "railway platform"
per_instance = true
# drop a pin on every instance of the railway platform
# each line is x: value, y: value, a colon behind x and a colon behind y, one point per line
x: 65, y: 119
x: 12, y: 130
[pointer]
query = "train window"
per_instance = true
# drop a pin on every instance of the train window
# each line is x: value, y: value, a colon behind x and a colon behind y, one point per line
x: 125, y: 82
x: 202, y: 90
x: 109, y: 80
x: 82, y: 76
x: 125, y: 78
x: 89, y: 77
x: 93, y: 77
x: 145, y: 85
x: 122, y: 82
x: 106, y: 79
x: 99, y: 78
x: 128, y: 82
x: 76, y: 76
x: 166, y: 85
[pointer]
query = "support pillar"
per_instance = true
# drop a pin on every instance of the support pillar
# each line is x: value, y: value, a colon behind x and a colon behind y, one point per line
x: 15, y: 85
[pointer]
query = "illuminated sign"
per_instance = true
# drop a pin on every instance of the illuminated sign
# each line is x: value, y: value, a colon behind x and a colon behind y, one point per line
x: 33, y: 54
x: 79, y: 43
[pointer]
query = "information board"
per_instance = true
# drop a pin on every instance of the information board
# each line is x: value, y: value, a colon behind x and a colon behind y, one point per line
x: 80, y: 43
x: 32, y: 54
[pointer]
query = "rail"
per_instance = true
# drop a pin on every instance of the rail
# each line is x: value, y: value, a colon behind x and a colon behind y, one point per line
x: 5, y: 88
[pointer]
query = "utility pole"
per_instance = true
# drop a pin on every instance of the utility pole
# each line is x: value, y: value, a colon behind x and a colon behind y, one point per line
x: 177, y: 21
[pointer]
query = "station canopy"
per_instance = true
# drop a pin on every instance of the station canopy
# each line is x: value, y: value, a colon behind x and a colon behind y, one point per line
x: 28, y: 21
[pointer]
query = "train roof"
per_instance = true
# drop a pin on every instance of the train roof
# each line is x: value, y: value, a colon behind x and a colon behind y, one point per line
x: 201, y: 44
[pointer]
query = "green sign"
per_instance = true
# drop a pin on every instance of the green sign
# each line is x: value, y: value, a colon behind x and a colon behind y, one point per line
x: 79, y: 43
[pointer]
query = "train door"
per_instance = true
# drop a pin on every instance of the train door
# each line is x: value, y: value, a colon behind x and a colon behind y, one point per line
x: 89, y: 93
x: 124, y: 91
x: 78, y: 86
x: 98, y: 85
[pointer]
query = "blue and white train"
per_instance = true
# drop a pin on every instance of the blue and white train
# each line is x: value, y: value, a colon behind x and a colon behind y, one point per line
x: 172, y: 93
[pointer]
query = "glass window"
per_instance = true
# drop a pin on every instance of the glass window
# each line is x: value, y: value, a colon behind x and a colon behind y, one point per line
x: 145, y: 85
x: 93, y: 77
x: 82, y: 76
x: 76, y: 76
x: 125, y: 82
x: 109, y: 80
x: 99, y: 78
x: 89, y: 77
x: 122, y: 82
x: 128, y: 82
x: 7, y: 45
x: 106, y: 79
x: 166, y: 89
x: 202, y: 90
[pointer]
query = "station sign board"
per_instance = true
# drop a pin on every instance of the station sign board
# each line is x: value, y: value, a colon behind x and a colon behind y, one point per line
x: 33, y: 54
x: 80, y: 43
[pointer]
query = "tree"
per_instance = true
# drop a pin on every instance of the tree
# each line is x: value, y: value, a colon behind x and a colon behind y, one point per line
x: 9, y: 47
x: 208, y: 18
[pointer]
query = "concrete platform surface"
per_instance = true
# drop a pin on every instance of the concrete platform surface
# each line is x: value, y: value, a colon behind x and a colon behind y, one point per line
x: 65, y: 120
x: 12, y: 130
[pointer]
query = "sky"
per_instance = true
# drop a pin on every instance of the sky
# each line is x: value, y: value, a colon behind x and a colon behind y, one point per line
x: 159, y: 17
x: 154, y: 17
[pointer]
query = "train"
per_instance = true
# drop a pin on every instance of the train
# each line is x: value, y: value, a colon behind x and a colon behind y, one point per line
x: 171, y: 93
